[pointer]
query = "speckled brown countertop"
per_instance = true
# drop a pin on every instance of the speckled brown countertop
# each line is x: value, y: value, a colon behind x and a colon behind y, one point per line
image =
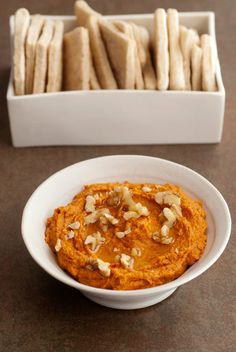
x: 38, y: 313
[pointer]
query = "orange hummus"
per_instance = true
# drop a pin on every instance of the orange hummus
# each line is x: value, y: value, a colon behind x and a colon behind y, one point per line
x: 127, y: 236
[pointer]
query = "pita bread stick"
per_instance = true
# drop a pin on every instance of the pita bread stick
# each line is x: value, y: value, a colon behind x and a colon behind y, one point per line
x: 161, y: 49
x: 127, y: 29
x: 188, y: 38
x: 77, y: 60
x: 34, y: 32
x: 208, y: 64
x: 41, y: 58
x: 54, y: 81
x: 148, y: 70
x: 100, y: 57
x: 121, y: 51
x: 94, y: 83
x: 177, y: 81
x: 21, y: 25
x: 88, y: 18
x: 83, y: 12
x: 196, y: 67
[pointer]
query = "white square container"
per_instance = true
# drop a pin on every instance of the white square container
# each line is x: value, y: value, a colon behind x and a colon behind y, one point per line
x: 120, y: 116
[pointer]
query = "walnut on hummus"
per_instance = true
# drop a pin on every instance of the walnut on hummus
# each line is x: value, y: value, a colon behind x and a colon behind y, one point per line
x: 127, y: 236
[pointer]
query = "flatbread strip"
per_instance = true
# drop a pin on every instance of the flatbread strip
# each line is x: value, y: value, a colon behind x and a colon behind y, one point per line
x: 147, y: 67
x: 121, y: 53
x: 83, y: 12
x: 188, y: 38
x: 54, y: 81
x: 94, y: 83
x: 34, y: 31
x: 88, y: 18
x: 127, y: 28
x: 208, y: 64
x: 41, y: 57
x: 161, y: 53
x: 196, y: 67
x: 99, y: 54
x: 76, y: 59
x: 177, y: 81
x: 21, y: 24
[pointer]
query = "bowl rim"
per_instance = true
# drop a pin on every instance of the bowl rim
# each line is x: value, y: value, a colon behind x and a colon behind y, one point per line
x: 146, y: 291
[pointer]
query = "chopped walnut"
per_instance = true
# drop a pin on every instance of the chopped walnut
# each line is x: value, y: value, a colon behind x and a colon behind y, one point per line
x: 113, y: 198
x: 130, y: 214
x: 75, y: 225
x: 165, y: 230
x: 96, y: 196
x: 103, y: 215
x: 90, y: 204
x: 176, y: 209
x: 135, y: 210
x: 163, y: 237
x: 126, y: 261
x: 156, y: 236
x: 167, y: 197
x: 167, y: 240
x: 103, y: 267
x: 146, y: 189
x: 69, y: 235
x: 96, y: 240
x: 91, y: 218
x: 123, y: 234
x: 58, y: 245
x: 111, y: 218
x: 170, y: 216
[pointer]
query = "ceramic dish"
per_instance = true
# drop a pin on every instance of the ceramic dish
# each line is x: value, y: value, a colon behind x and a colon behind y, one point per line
x: 60, y: 188
x: 130, y: 116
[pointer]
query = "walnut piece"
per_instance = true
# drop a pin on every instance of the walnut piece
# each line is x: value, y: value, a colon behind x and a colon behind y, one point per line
x: 58, y: 245
x: 95, y: 240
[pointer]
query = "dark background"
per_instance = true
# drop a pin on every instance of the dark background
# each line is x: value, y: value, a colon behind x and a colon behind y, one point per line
x: 38, y: 313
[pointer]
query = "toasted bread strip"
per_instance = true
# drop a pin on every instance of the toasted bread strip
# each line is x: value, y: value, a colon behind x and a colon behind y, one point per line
x: 21, y: 24
x: 127, y: 29
x: 41, y: 57
x: 34, y: 31
x: 177, y: 81
x: 161, y: 53
x: 88, y: 18
x: 54, y: 82
x: 76, y: 59
x: 137, y: 30
x: 121, y: 53
x: 188, y: 38
x: 93, y: 80
x: 99, y: 55
x: 196, y: 67
x: 208, y: 64
x: 83, y: 12
x: 148, y: 70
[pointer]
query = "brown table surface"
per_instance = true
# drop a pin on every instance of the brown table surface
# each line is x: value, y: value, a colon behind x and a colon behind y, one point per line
x: 38, y: 313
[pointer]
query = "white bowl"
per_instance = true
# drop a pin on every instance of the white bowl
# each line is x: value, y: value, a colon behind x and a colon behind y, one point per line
x: 60, y: 188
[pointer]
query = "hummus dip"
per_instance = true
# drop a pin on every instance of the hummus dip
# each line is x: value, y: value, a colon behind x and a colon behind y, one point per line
x: 127, y: 236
